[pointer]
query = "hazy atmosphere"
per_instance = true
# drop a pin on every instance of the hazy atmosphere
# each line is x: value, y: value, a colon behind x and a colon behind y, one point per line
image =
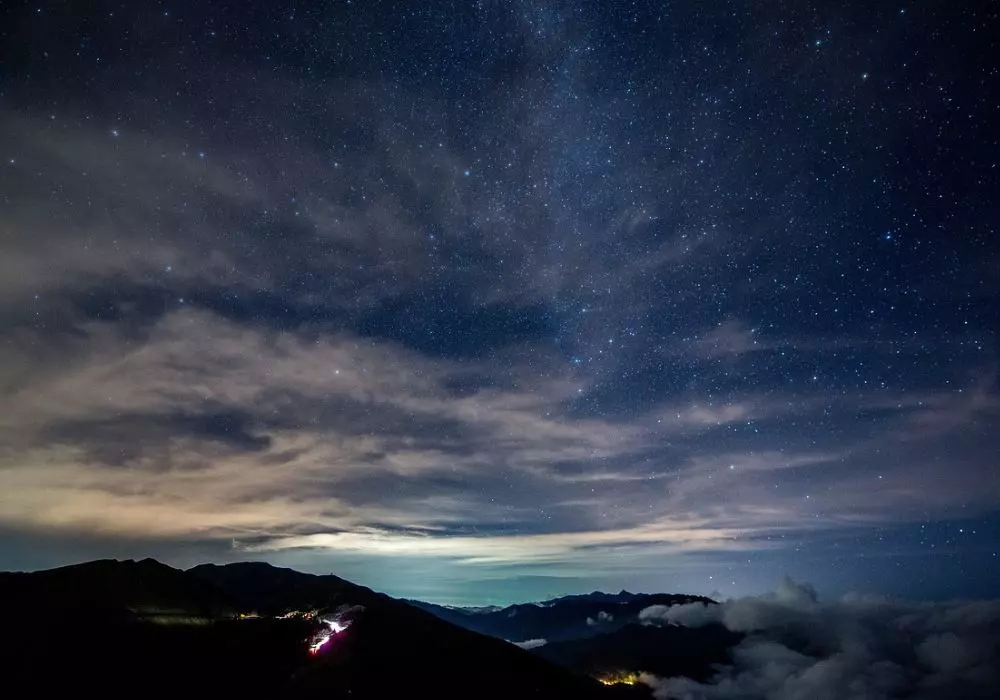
x: 482, y: 302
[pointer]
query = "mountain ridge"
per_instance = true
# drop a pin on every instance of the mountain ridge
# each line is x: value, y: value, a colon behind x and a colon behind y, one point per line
x: 224, y: 629
x: 567, y: 617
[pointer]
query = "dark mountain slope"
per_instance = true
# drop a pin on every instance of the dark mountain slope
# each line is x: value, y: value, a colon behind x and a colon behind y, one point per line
x: 116, y: 629
x: 124, y: 589
x: 272, y: 590
x: 392, y: 648
x: 622, y: 596
x: 391, y: 652
x: 124, y: 628
x: 571, y: 617
x: 663, y: 651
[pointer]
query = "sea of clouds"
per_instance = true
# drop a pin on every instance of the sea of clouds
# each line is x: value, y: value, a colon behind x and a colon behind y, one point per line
x: 856, y: 648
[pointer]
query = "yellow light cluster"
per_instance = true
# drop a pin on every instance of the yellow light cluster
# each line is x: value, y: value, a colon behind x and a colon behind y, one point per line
x: 623, y: 677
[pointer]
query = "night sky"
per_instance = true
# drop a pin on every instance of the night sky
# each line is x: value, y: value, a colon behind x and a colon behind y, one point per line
x: 492, y: 301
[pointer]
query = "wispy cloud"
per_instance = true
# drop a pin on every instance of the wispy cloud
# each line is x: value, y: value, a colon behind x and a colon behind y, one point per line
x: 338, y: 314
x: 213, y: 429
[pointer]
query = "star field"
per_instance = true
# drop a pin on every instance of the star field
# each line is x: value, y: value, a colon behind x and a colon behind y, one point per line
x: 492, y: 300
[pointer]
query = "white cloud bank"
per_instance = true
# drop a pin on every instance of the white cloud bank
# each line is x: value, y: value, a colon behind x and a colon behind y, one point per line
x: 857, y: 648
x: 602, y: 618
x: 531, y: 643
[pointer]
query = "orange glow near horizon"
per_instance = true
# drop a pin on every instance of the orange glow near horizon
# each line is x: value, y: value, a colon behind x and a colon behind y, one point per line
x: 622, y: 677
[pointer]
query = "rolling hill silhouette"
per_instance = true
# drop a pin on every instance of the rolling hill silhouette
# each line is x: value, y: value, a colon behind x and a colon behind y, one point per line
x: 125, y: 628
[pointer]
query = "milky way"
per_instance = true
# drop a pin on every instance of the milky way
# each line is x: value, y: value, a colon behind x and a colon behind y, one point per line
x: 498, y: 300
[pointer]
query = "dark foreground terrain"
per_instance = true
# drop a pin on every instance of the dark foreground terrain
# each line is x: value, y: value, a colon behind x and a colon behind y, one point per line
x: 128, y: 628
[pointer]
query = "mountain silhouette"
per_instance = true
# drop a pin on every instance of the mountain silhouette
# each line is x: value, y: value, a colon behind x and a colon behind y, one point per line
x: 125, y: 628
x: 125, y: 589
x: 662, y: 651
x: 565, y: 618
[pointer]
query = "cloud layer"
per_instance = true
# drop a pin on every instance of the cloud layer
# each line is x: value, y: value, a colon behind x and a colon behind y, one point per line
x: 509, y: 293
x: 856, y: 648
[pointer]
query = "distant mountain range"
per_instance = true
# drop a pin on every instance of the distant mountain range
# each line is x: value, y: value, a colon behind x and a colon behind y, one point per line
x: 559, y: 619
x: 600, y: 634
x: 124, y: 628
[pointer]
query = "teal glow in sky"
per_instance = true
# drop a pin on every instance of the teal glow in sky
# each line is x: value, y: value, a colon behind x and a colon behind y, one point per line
x: 481, y: 302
